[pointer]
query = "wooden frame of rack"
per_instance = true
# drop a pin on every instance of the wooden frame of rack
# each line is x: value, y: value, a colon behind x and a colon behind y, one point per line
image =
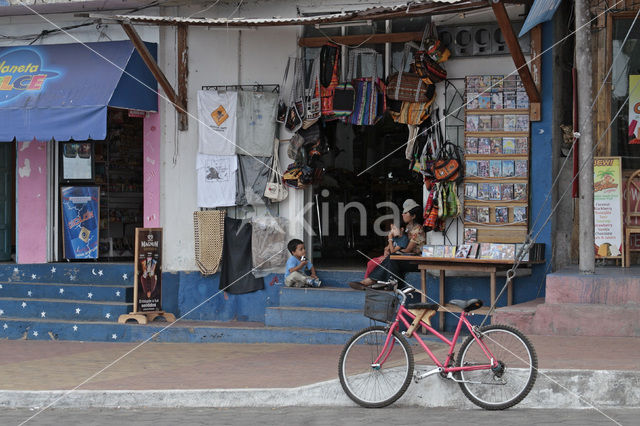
x: 493, y: 231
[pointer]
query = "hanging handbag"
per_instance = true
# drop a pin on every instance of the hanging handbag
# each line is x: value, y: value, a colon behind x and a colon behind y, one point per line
x: 312, y: 96
x: 370, y: 96
x: 275, y: 189
x: 425, y: 67
x: 410, y: 87
x: 343, y: 100
x: 284, y: 95
x: 296, y: 109
x: 447, y: 166
x: 412, y: 113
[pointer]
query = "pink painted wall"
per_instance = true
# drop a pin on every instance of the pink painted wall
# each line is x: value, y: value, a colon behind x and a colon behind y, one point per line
x: 31, y: 200
x: 151, y: 172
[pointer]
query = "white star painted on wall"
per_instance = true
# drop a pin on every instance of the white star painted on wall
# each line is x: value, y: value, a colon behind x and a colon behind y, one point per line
x: 1, y: 312
x: 16, y: 270
x: 29, y: 293
x: 35, y: 333
x: 53, y: 269
x: 100, y: 272
x: 108, y: 315
x: 90, y: 295
x: 43, y: 314
x: 72, y: 277
x: 78, y: 311
x: 33, y: 276
x: 125, y: 277
x: 61, y: 290
x: 24, y: 305
x: 118, y: 293
x: 75, y: 328
x: 114, y: 337
x: 5, y: 326
x: 0, y: 286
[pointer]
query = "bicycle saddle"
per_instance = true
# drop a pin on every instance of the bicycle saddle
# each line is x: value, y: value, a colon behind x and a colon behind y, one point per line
x: 467, y: 305
x: 429, y: 306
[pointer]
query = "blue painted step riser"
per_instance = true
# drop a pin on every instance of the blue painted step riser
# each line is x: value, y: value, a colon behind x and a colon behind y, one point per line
x: 65, y: 311
x: 316, y: 319
x: 322, y: 298
x: 67, y: 292
x: 339, y: 278
x: 79, y: 273
x: 138, y: 333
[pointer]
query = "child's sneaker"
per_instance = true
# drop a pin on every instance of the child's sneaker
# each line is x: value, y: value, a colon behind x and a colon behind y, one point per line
x: 317, y: 282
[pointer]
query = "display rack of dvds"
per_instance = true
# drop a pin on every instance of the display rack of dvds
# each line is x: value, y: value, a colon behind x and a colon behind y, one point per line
x: 497, y: 161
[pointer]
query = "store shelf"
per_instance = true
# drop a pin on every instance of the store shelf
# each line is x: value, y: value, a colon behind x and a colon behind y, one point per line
x: 497, y: 111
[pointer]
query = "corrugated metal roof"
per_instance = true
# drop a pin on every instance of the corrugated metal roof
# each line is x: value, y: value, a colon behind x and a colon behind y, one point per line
x: 376, y: 12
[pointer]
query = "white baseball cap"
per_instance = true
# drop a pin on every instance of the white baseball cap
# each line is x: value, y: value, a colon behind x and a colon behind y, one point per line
x: 409, y: 205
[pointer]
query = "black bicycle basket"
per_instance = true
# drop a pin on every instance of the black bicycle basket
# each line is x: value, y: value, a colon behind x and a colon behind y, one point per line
x: 380, y: 305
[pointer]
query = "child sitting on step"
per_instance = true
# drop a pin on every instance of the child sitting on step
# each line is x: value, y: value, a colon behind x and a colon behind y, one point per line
x: 297, y: 267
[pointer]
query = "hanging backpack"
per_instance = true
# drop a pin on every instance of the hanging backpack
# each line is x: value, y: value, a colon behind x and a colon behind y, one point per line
x: 448, y: 163
x: 329, y: 66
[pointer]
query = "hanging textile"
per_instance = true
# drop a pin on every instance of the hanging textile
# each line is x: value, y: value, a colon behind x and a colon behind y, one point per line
x: 217, y: 113
x: 216, y: 185
x: 236, y: 277
x: 256, y: 123
x: 251, y: 179
x: 269, y: 243
x: 208, y: 228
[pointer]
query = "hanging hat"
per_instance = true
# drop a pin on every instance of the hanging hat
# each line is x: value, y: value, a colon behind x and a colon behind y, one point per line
x: 409, y: 205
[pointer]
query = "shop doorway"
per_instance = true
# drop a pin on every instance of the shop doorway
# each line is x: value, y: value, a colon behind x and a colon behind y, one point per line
x: 114, y: 167
x: 7, y: 201
x: 366, y: 173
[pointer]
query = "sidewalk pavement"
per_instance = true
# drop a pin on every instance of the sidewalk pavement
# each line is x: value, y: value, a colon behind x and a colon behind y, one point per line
x: 605, y: 369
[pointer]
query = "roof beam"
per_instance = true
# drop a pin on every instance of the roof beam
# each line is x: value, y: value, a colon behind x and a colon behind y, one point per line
x: 518, y: 58
x: 354, y: 40
x: 153, y: 67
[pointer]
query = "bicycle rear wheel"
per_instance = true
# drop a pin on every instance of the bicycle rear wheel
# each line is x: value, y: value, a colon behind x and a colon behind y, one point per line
x: 369, y: 385
x: 511, y: 381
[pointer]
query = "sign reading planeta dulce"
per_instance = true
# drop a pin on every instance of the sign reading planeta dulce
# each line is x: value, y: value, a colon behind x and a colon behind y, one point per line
x: 607, y: 203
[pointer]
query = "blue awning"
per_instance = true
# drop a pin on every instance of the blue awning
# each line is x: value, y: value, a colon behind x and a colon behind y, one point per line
x: 62, y: 91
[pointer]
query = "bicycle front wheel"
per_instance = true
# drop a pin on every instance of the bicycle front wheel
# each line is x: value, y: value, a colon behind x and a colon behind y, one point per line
x: 511, y: 381
x: 371, y: 385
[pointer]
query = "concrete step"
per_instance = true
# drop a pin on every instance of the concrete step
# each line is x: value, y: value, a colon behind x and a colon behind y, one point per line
x: 317, y: 318
x: 69, y: 272
x: 608, y: 287
x: 573, y: 319
x: 179, y: 332
x: 323, y: 297
x: 520, y: 316
x: 339, y: 278
x: 77, y: 310
x: 106, y: 293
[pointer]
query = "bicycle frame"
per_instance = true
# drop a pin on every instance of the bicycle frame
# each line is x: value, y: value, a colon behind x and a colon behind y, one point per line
x: 442, y: 367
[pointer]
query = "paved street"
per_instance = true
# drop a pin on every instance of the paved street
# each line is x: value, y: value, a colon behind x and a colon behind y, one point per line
x: 319, y: 416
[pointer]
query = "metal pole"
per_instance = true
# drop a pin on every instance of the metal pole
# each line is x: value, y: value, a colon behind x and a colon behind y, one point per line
x: 585, y: 98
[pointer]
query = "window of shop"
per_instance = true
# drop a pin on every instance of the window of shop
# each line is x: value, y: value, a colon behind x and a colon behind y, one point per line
x: 625, y: 134
x: 114, y: 167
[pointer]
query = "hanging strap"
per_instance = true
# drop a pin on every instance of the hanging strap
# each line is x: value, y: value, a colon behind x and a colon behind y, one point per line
x: 283, y: 88
x: 276, y: 173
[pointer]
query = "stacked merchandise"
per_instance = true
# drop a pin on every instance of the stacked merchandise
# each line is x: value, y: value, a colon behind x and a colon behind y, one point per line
x: 497, y: 162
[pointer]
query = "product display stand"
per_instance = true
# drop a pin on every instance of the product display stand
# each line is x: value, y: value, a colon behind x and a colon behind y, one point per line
x: 146, y: 317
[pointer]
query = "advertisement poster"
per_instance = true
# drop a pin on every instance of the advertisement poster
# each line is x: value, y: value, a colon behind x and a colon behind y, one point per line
x: 148, y: 270
x: 607, y: 201
x: 80, y: 219
x: 634, y: 109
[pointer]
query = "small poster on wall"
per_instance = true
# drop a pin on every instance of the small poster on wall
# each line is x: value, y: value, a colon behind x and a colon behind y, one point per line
x: 634, y: 109
x: 607, y: 202
x: 80, y: 212
x: 148, y: 270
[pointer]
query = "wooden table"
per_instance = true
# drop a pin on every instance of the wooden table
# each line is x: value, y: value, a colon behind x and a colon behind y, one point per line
x: 457, y: 264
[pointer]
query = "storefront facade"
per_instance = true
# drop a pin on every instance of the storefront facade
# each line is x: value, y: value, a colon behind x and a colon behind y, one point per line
x: 230, y: 56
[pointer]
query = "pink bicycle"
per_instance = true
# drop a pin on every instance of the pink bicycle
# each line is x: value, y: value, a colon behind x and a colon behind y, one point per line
x: 496, y: 366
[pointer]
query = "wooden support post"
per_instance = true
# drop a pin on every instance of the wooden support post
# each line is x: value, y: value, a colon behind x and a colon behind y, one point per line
x: 153, y: 66
x: 518, y: 59
x: 183, y: 75
x: 441, y: 301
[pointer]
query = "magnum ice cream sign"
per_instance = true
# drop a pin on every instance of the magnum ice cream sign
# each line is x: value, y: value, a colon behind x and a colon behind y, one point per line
x: 148, y: 286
